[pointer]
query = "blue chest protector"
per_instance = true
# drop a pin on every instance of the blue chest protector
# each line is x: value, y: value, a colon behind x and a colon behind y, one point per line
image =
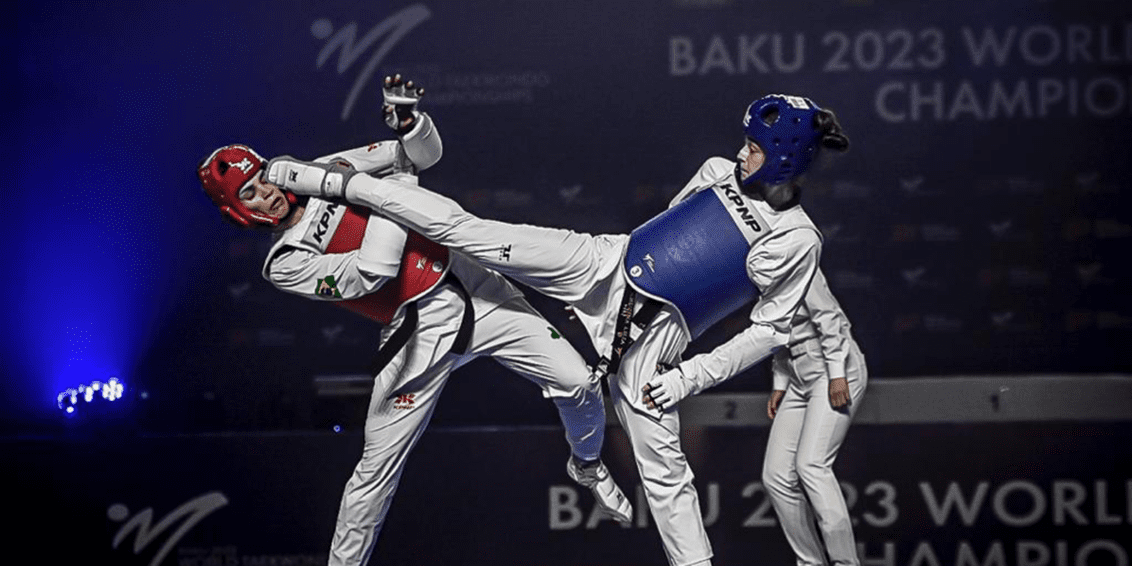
x: 694, y: 256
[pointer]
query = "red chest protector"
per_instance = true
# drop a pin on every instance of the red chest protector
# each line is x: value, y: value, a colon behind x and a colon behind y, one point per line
x: 423, y: 265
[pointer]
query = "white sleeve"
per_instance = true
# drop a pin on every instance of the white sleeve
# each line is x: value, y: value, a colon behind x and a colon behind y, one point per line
x: 782, y: 266
x: 345, y: 275
x: 781, y: 371
x: 376, y: 157
x: 711, y: 172
x: 833, y: 327
x: 420, y: 148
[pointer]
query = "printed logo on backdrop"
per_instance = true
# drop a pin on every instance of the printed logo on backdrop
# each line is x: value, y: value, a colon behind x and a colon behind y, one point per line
x: 927, y: 322
x: 248, y: 293
x: 568, y: 193
x: 1093, y: 275
x: 1091, y: 183
x: 942, y: 323
x: 1088, y: 320
x: 991, y: 277
x: 275, y: 337
x: 1079, y: 228
x: 1007, y: 230
x: 239, y: 290
x: 908, y: 66
x: 838, y: 233
x: 1013, y: 186
x: 1112, y: 229
x: 914, y: 187
x: 512, y: 199
x: 1009, y: 321
x: 1017, y: 504
x: 931, y: 232
x: 345, y: 40
x: 831, y: 232
x: 921, y: 278
x: 1026, y: 277
x: 645, y: 196
x: 914, y: 277
x: 851, y: 190
x: 1110, y: 320
x: 941, y: 233
x: 162, y: 538
x: 331, y: 334
x: 503, y: 198
x: 904, y: 232
x: 936, y: 323
x: 239, y: 337
x: 847, y: 280
x: 1019, y: 277
x: 452, y: 88
x: 146, y: 534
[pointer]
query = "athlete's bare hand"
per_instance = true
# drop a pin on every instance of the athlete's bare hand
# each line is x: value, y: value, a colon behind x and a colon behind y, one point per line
x: 838, y: 392
x: 773, y: 402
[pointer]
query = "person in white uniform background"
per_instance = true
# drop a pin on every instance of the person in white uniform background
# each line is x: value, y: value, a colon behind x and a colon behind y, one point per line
x: 440, y: 311
x: 643, y: 297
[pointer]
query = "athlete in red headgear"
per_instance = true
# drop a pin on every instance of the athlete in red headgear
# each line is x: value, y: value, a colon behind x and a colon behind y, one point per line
x: 429, y: 300
x: 734, y: 235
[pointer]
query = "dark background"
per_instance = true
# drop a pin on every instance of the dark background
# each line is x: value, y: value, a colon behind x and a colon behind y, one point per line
x: 977, y: 226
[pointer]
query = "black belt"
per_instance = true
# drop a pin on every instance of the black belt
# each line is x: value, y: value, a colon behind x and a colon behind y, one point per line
x: 622, y: 332
x: 401, y: 336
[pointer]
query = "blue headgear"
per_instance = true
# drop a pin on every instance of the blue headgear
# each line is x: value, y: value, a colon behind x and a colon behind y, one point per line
x: 783, y: 126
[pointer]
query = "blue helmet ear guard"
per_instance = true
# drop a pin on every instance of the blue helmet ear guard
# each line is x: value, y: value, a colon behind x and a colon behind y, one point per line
x: 788, y: 133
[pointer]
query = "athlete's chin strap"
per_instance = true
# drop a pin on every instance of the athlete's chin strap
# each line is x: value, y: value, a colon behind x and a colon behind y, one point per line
x: 296, y: 202
x: 755, y: 188
x: 749, y: 185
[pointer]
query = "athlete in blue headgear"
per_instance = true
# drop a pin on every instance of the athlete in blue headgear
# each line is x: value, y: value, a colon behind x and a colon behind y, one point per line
x: 820, y: 374
x: 740, y: 236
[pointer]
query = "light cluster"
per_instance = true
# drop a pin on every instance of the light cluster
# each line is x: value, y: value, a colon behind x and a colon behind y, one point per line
x: 95, y: 391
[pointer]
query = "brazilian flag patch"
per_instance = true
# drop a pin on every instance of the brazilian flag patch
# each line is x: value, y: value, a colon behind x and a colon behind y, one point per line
x: 328, y: 288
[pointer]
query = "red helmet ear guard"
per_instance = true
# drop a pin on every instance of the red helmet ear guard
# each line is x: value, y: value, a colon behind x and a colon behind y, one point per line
x: 227, y: 170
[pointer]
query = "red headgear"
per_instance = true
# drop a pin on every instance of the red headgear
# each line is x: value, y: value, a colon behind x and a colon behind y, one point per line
x: 227, y: 170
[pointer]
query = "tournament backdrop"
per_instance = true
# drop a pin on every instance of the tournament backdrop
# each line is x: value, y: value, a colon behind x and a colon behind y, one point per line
x: 1046, y: 494
x: 978, y: 225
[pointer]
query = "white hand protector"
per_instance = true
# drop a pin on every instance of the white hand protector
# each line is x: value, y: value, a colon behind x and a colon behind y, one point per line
x: 421, y: 144
x: 401, y: 98
x: 666, y: 390
x: 325, y: 180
